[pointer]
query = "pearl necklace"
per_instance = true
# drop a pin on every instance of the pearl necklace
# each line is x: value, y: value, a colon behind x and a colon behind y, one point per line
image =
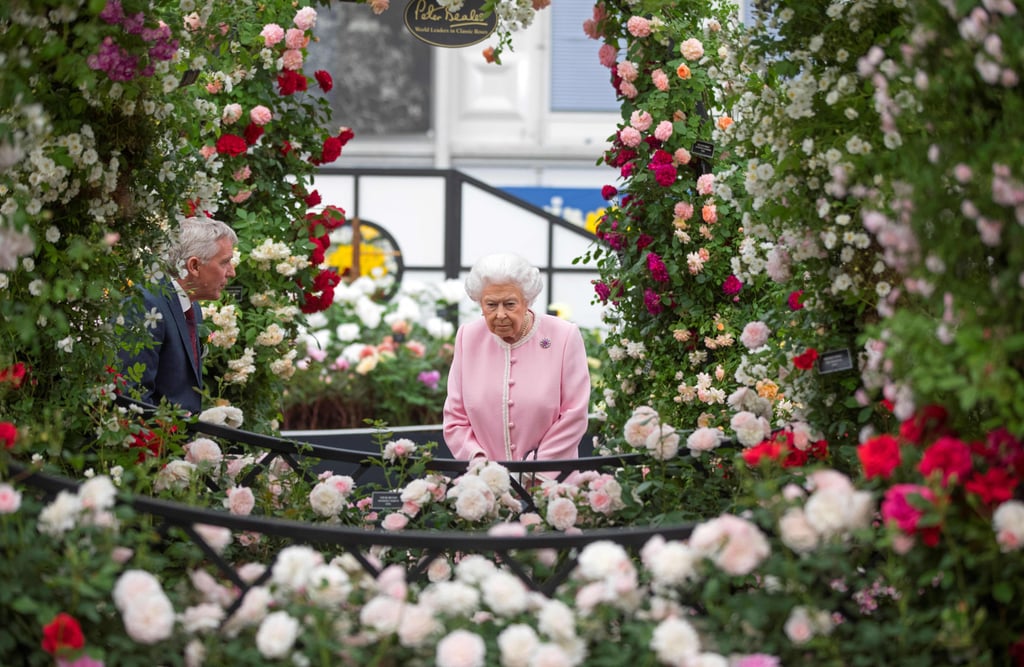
x: 527, y: 321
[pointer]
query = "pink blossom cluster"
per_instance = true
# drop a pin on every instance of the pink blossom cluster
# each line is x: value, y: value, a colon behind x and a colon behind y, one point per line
x: 118, y: 63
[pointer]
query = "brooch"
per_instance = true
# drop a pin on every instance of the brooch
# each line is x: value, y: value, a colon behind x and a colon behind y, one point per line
x: 545, y: 343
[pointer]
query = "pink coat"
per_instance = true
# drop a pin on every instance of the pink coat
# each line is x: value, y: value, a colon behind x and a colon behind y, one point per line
x: 507, y: 401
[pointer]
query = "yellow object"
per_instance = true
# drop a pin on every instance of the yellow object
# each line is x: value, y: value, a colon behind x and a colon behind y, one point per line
x: 373, y: 260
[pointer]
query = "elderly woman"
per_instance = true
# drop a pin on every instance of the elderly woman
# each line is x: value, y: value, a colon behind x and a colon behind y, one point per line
x: 519, y: 386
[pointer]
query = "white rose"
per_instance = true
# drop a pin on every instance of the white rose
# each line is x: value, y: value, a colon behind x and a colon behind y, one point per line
x: 277, y: 634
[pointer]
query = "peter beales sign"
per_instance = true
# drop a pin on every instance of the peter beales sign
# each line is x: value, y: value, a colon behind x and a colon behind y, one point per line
x: 431, y: 23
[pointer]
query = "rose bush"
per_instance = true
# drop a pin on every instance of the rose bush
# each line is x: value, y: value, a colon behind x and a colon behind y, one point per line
x: 838, y: 519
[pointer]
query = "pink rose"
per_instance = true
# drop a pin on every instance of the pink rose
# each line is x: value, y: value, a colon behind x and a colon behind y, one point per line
x: 461, y: 648
x: 754, y: 335
x: 292, y: 60
x: 294, y: 39
x: 641, y: 120
x: 607, y: 55
x: 10, y: 499
x: 260, y: 115
x: 638, y: 26
x: 627, y: 70
x: 272, y: 34
x: 240, y: 500
x: 705, y: 184
x: 562, y: 513
x: 703, y: 439
x: 691, y: 49
x: 683, y: 210
x: 660, y: 80
x: 394, y: 521
x: 305, y: 18
x: 231, y: 113
x: 630, y: 136
x: 663, y: 131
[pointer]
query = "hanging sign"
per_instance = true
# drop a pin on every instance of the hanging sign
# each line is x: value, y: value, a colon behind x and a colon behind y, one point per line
x: 431, y: 23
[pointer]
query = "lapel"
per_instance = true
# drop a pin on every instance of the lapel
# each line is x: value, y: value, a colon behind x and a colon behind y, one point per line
x: 183, y: 336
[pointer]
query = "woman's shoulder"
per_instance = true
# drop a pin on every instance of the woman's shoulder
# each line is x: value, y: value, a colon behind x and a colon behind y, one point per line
x: 555, y: 324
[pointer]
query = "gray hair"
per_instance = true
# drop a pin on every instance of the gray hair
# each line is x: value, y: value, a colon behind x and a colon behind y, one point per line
x: 501, y: 269
x: 198, y: 237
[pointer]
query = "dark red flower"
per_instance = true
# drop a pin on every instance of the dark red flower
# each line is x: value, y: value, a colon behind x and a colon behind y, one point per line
x: 653, y: 301
x: 795, y: 300
x: 608, y: 191
x: 326, y: 279
x: 324, y: 80
x: 993, y: 487
x: 231, y: 144
x: 732, y: 285
x: 929, y: 422
x: 603, y: 291
x: 148, y: 443
x: 313, y: 199
x: 331, y: 150
x: 320, y: 251
x: 879, y: 456
x: 949, y: 456
x: 8, y: 434
x: 13, y: 374
x: 805, y: 361
x: 345, y: 135
x: 766, y: 450
x: 252, y: 133
x: 290, y: 81
x: 62, y: 633
x: 900, y: 507
x: 643, y: 241
x: 657, y: 268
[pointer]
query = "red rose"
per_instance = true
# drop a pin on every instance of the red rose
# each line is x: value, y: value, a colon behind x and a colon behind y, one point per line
x: 769, y: 450
x: 900, y: 507
x: 805, y: 361
x: 930, y: 421
x: 252, y: 133
x: 879, y: 456
x: 331, y: 150
x: 8, y: 434
x: 949, y: 456
x: 993, y: 487
x: 13, y: 374
x: 313, y: 199
x: 732, y: 285
x: 608, y: 191
x: 345, y: 135
x: 62, y: 633
x: 290, y: 82
x: 147, y: 442
x: 795, y: 300
x: 332, y: 217
x: 323, y: 78
x: 326, y: 279
x: 231, y: 144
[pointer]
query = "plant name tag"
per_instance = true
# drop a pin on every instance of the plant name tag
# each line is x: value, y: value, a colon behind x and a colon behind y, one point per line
x: 386, y: 500
x: 704, y: 149
x: 835, y: 361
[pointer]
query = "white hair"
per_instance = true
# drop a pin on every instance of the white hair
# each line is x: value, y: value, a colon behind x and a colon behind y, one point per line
x: 198, y: 237
x: 504, y: 268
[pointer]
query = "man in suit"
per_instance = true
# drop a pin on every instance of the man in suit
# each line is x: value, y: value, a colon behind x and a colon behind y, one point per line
x: 200, y: 261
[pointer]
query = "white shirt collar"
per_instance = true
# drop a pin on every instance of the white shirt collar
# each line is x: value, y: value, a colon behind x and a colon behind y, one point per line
x: 183, y: 299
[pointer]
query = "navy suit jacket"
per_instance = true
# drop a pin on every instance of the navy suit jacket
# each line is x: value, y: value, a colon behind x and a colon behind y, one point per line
x: 172, y: 369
